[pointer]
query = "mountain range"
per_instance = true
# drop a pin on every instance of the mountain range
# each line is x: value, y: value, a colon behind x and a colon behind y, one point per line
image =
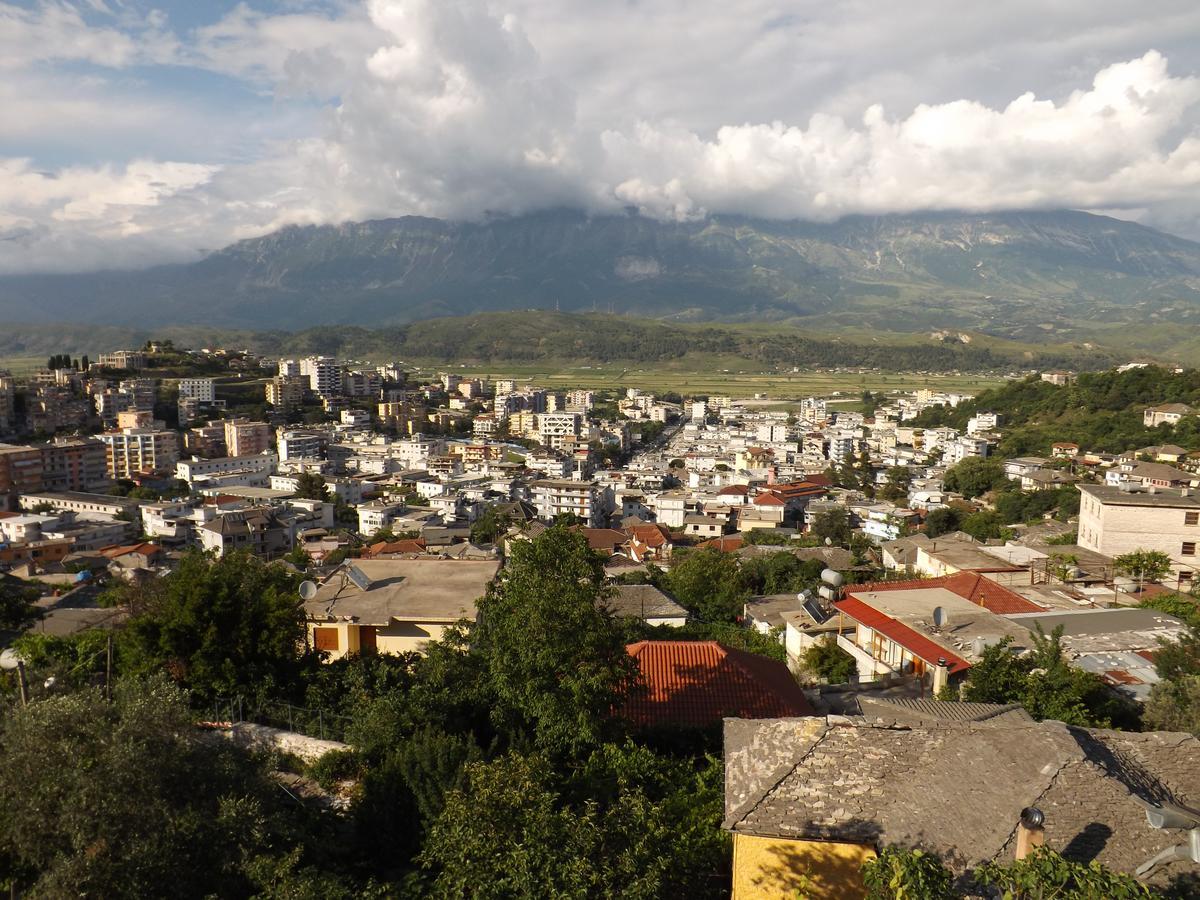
x: 1044, y: 276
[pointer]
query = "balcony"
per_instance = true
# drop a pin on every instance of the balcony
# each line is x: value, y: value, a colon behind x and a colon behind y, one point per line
x: 869, y: 668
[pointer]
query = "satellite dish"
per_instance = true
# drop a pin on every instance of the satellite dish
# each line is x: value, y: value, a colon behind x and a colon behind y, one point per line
x: 308, y: 590
x: 940, y: 617
x: 9, y: 659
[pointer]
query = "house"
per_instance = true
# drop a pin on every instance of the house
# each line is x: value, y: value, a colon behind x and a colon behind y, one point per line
x: 703, y: 526
x: 1118, y: 520
x: 948, y: 554
x: 648, y: 542
x: 1020, y: 466
x: 1149, y: 474
x: 1166, y: 414
x: 648, y: 603
x: 394, y: 605
x: 695, y: 684
x: 920, y: 630
x: 257, y: 529
x: 1064, y: 450
x: 809, y: 800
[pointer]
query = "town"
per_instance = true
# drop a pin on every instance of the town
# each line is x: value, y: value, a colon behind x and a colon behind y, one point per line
x: 802, y: 582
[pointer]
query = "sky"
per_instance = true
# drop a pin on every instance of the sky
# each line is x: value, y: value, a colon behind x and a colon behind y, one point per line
x: 134, y: 133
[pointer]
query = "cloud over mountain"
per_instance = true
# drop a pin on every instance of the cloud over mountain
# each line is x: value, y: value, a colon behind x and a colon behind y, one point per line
x: 330, y: 112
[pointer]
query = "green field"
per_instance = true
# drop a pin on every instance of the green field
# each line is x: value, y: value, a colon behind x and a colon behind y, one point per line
x: 740, y: 384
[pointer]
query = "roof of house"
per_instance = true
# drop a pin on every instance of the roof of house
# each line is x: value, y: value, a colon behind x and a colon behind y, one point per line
x: 909, y: 638
x: 1181, y: 408
x: 697, y: 683
x: 388, y: 548
x: 603, y: 538
x: 980, y: 590
x: 957, y: 788
x: 404, y: 590
x: 653, y: 535
x: 643, y: 601
x: 734, y: 490
x: 1167, y: 497
x: 925, y: 711
x: 726, y: 544
x: 766, y: 499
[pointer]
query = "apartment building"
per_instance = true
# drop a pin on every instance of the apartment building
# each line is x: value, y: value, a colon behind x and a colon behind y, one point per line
x: 122, y: 359
x: 190, y: 469
x: 1118, y: 520
x: 20, y: 472
x: 132, y: 452
x: 207, y: 441
x: 246, y: 438
x: 202, y: 390
x: 554, y: 497
x: 324, y: 375
x: 558, y: 428
x: 300, y: 444
x: 74, y: 464
x: 286, y: 392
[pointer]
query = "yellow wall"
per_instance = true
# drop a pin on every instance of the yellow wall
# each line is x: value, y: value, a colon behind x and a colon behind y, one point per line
x: 776, y: 869
x: 399, y: 637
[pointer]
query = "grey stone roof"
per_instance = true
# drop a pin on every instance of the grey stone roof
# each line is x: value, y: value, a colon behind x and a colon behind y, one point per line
x: 957, y: 788
x: 919, y: 711
x: 641, y: 601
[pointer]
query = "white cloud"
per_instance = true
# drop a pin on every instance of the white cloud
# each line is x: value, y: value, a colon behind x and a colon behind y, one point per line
x: 458, y: 108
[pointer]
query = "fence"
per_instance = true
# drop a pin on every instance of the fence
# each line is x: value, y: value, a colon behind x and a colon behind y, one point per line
x: 314, y: 723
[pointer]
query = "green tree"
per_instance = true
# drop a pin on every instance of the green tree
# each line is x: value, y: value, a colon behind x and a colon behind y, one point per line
x: 896, y: 486
x: 829, y: 662
x: 975, y: 475
x: 17, y: 611
x: 707, y: 582
x: 555, y: 655
x: 900, y: 874
x: 120, y: 800
x: 942, y: 520
x: 983, y: 525
x: 1144, y: 565
x: 1044, y: 873
x: 220, y: 626
x: 489, y: 527
x: 311, y: 486
x: 832, y: 525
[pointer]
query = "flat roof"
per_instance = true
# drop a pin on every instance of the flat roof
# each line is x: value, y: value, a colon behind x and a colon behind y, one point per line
x: 965, y: 621
x: 1106, y: 630
x: 1115, y: 496
x: 405, y: 590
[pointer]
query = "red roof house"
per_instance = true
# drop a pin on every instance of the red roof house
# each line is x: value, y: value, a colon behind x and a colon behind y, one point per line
x: 973, y: 586
x: 696, y: 684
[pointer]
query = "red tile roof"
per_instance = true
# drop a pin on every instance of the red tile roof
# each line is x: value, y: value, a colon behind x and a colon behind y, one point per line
x: 726, y: 544
x: 916, y: 643
x: 698, y: 683
x: 793, y: 489
x: 768, y: 500
x: 731, y: 490
x: 650, y: 535
x: 405, y: 545
x: 981, y: 591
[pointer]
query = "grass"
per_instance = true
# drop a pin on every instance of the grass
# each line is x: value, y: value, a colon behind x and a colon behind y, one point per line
x: 21, y: 366
x: 734, y: 382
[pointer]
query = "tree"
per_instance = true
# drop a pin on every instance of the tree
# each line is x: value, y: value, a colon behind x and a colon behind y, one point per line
x: 488, y: 528
x: 832, y: 526
x: 17, y: 611
x: 1144, y: 565
x: 311, y: 486
x: 899, y: 874
x: 983, y: 525
x: 975, y: 475
x: 896, y: 486
x: 829, y: 662
x: 707, y: 582
x: 120, y: 800
x: 942, y: 520
x: 219, y: 626
x: 1174, y: 703
x: 556, y: 657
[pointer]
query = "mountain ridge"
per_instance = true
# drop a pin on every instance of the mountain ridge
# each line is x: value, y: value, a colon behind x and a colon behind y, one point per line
x: 1043, y: 276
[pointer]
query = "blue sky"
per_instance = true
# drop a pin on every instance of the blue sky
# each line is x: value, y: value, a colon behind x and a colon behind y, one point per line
x: 135, y: 132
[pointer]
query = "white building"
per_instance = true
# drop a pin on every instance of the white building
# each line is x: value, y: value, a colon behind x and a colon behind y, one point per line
x: 324, y: 375
x: 202, y: 390
x: 554, y: 497
x: 1118, y: 520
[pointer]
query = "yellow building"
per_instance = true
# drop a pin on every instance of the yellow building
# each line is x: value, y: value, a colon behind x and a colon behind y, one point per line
x: 394, y: 605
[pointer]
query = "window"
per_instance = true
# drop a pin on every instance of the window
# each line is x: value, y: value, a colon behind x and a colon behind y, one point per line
x: 1191, y: 518
x: 1189, y: 548
x: 325, y: 639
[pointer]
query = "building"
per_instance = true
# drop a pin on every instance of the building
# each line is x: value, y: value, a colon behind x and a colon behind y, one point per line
x: 257, y: 529
x: 1166, y: 414
x: 74, y: 464
x: 695, y: 684
x: 324, y: 375
x: 556, y: 429
x: 202, y: 390
x: 122, y: 359
x: 8, y: 415
x: 809, y: 800
x: 246, y: 438
x: 297, y: 444
x: 190, y: 470
x: 555, y: 497
x: 646, y: 602
x: 1118, y: 520
x: 394, y: 605
x: 134, y: 452
x: 286, y: 392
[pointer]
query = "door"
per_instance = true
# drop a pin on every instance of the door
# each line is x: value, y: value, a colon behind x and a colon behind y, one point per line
x: 367, y: 642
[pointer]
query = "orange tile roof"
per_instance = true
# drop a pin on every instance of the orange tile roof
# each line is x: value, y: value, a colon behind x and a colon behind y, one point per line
x: 980, y: 590
x: 726, y: 544
x: 406, y: 545
x: 651, y: 535
x: 910, y: 639
x: 731, y: 490
x: 698, y: 683
x: 768, y: 500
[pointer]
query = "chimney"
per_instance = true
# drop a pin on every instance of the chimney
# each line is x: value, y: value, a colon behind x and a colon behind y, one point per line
x: 941, y: 676
x: 1030, y: 833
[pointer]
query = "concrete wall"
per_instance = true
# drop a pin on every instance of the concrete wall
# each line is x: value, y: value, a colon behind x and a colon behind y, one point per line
x: 249, y: 734
x: 1114, y: 530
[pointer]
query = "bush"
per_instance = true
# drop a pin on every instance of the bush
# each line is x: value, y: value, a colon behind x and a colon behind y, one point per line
x: 335, y: 766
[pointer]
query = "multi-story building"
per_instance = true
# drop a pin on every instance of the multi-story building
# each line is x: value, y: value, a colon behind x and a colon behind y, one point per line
x: 1118, y: 520
x: 324, y: 375
x: 554, y: 497
x: 133, y: 452
x: 246, y: 438
x: 201, y: 389
x: 122, y: 359
x: 286, y: 392
x: 289, y: 368
x: 190, y: 469
x: 555, y: 429
x: 297, y: 444
x: 580, y: 400
x: 361, y: 384
x: 74, y: 464
x: 1167, y: 414
x: 141, y: 392
x: 20, y: 473
x: 206, y: 441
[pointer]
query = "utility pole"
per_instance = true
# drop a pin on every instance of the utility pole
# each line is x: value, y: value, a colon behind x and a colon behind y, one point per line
x: 22, y: 683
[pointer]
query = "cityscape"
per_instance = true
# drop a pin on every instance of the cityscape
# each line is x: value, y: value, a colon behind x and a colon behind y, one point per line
x: 496, y: 449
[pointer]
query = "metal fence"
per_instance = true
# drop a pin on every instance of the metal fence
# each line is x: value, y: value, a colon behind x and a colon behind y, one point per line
x: 315, y: 723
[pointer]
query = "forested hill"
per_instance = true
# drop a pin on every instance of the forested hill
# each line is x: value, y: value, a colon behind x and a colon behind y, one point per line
x: 1041, y: 276
x: 563, y: 337
x: 1099, y: 411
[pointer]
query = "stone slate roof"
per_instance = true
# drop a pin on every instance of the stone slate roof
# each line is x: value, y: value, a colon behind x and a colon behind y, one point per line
x: 957, y: 788
x: 918, y: 711
x: 642, y: 601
